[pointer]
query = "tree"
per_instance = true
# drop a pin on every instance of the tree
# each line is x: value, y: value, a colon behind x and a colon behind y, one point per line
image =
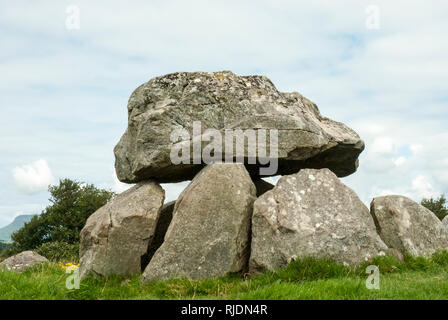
x: 438, y: 206
x: 72, y: 202
x: 31, y: 235
x: 4, y: 246
x: 5, y: 249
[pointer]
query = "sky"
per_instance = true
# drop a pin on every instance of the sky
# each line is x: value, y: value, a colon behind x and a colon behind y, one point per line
x: 68, y: 68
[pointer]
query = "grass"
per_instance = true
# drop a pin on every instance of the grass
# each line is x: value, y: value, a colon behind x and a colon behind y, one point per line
x: 414, y: 278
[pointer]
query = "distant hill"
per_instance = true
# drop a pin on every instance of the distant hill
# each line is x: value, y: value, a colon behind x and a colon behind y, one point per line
x: 19, y: 221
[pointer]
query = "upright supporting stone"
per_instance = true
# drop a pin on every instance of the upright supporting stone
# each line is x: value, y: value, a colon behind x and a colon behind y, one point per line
x: 209, y: 233
x: 408, y: 227
x: 168, y: 107
x: 118, y: 234
x: 311, y: 214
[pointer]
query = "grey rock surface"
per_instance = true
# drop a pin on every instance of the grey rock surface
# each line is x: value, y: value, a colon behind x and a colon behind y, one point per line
x: 407, y: 226
x: 311, y: 214
x: 223, y: 100
x: 22, y: 261
x: 209, y: 232
x: 118, y: 234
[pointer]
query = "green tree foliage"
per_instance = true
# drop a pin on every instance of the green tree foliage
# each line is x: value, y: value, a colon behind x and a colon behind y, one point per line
x: 71, y: 203
x: 4, y: 246
x: 439, y: 206
x: 59, y: 251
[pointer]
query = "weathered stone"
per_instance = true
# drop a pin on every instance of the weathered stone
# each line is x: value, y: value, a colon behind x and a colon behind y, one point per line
x: 311, y: 214
x: 118, y: 234
x: 407, y: 226
x: 262, y: 186
x: 209, y: 233
x: 22, y: 261
x: 223, y: 100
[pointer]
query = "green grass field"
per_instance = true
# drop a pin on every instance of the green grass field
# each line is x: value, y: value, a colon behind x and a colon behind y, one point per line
x: 415, y: 278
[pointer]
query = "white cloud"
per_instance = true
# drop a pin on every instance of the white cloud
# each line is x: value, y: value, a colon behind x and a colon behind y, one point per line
x: 417, y: 189
x: 382, y: 145
x: 416, y: 148
x: 423, y: 188
x: 33, y: 178
x: 400, y: 161
x: 372, y: 129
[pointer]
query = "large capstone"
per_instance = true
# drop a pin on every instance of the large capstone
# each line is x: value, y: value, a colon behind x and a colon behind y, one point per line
x: 116, y: 237
x: 408, y: 227
x: 311, y: 214
x: 222, y: 100
x: 209, y: 232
